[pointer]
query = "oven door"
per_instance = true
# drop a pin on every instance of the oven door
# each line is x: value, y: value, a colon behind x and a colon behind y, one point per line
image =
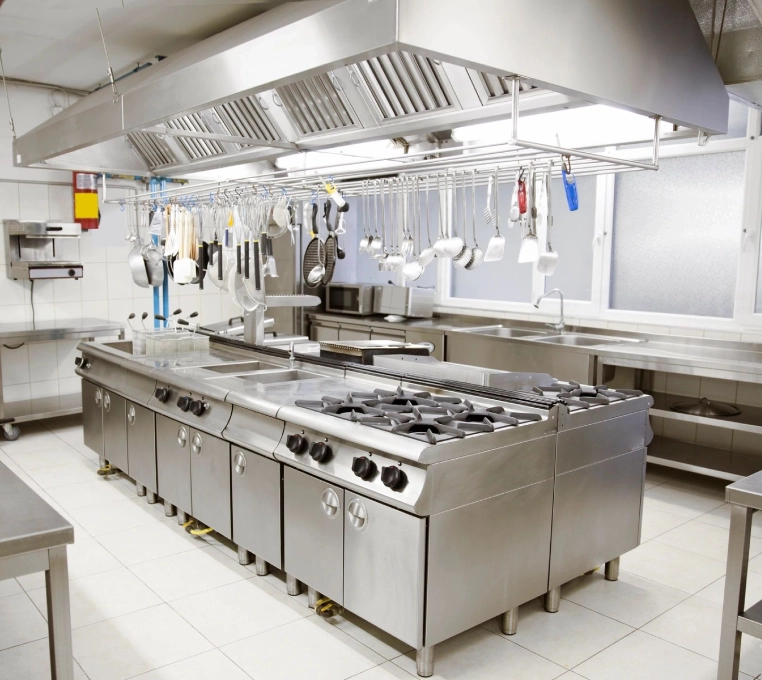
x: 384, y: 567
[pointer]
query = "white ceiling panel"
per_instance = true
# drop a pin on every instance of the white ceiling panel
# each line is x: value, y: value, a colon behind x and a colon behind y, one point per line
x: 57, y: 41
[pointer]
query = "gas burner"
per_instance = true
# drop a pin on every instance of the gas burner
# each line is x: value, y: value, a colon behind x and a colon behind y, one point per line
x: 429, y: 430
x: 584, y: 396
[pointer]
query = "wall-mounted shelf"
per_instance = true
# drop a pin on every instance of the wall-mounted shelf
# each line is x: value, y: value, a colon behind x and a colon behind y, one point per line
x: 749, y: 420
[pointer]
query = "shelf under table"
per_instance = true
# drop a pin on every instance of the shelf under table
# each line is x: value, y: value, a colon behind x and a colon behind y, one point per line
x: 749, y: 420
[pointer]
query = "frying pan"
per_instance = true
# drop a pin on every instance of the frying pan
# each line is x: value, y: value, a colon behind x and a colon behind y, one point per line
x: 312, y: 255
x: 330, y: 246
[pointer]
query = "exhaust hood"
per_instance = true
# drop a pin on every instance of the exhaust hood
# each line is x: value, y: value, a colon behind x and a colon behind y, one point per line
x: 317, y: 74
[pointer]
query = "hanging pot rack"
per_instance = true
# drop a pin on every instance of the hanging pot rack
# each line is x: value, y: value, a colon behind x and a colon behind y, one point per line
x: 505, y: 158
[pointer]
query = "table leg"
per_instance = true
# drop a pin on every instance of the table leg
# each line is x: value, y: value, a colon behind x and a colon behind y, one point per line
x: 735, y: 591
x: 59, y: 616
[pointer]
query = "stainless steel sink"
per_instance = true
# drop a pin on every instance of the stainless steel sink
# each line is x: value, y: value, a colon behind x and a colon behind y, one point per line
x: 279, y: 376
x: 238, y: 367
x: 583, y: 340
x: 501, y: 332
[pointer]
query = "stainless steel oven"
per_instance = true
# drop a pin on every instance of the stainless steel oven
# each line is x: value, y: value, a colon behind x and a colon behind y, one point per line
x: 349, y: 298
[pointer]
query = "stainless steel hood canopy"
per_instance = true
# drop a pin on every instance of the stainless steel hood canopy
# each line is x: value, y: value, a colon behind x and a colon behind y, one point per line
x: 318, y: 74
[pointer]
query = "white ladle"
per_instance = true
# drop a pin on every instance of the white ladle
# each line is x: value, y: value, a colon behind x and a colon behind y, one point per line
x: 464, y: 256
x: 449, y: 246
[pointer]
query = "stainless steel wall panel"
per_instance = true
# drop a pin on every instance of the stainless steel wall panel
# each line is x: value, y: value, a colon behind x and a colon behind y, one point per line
x: 596, y: 515
x: 592, y: 444
x: 384, y: 558
x: 256, y: 499
x: 486, y: 558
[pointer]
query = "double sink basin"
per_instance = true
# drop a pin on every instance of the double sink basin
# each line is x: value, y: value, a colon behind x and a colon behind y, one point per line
x: 258, y: 372
x: 566, y: 339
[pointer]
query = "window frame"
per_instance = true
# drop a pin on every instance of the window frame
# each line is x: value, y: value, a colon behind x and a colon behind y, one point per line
x: 749, y: 263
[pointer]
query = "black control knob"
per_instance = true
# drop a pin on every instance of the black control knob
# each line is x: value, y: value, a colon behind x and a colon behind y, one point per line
x: 162, y: 394
x: 296, y: 443
x: 363, y: 467
x: 71, y: 272
x: 81, y: 362
x: 320, y: 452
x: 197, y: 408
x: 393, y: 477
x: 183, y: 403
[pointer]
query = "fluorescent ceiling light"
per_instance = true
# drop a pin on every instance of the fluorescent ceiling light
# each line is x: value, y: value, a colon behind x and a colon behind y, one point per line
x: 578, y: 127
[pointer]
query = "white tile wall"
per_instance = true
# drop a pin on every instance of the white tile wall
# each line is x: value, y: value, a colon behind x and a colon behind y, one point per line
x: 106, y: 291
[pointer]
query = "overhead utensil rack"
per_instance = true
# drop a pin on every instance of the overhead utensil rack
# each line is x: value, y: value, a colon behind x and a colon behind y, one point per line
x: 483, y: 159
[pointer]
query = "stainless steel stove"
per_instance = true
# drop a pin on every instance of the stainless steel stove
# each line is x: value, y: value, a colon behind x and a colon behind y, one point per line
x: 425, y: 511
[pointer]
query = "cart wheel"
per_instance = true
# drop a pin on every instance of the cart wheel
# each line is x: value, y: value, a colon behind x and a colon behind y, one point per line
x: 11, y: 432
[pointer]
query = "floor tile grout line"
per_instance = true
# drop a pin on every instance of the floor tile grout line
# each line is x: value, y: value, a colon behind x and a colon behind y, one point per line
x: 645, y: 632
x: 634, y: 630
x: 518, y: 644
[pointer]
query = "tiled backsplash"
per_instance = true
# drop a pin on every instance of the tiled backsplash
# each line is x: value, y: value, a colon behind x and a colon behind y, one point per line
x: 106, y: 291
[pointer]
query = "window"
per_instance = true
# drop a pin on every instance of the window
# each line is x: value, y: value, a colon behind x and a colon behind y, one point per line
x: 676, y: 236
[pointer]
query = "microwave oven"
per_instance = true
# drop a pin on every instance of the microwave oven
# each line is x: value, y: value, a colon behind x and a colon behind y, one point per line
x: 349, y: 298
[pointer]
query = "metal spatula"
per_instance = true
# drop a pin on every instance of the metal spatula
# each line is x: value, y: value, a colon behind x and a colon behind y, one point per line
x: 529, y: 250
x: 548, y: 260
x: 496, y: 245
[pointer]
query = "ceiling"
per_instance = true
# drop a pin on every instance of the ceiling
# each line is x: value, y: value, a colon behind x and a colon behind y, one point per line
x: 57, y: 41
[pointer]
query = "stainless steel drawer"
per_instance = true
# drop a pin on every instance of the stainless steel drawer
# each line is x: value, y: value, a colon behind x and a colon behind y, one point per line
x: 115, y: 430
x: 92, y: 416
x: 141, y: 445
x: 210, y: 481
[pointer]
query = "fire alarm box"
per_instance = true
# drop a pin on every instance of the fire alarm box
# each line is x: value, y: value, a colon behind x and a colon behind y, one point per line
x: 86, y: 212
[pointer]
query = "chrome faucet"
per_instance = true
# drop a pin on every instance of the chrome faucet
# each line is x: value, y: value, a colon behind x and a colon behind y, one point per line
x: 561, y: 325
x: 291, y: 356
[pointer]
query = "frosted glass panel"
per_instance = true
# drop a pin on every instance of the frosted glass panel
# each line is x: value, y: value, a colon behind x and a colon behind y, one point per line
x: 572, y: 239
x: 358, y: 267
x: 758, y: 308
x: 504, y: 280
x: 676, y: 236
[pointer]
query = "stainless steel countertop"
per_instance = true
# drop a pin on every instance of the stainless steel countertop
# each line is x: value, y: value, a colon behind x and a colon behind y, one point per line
x: 28, y: 522
x: 42, y: 331
x: 714, y: 358
x: 747, y: 492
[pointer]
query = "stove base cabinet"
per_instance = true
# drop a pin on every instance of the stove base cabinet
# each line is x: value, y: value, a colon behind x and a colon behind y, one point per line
x: 384, y: 567
x: 92, y: 416
x: 210, y: 481
x: 600, y: 479
x: 141, y: 445
x: 487, y: 558
x: 173, y: 468
x: 256, y: 501
x: 115, y: 430
x: 313, y: 533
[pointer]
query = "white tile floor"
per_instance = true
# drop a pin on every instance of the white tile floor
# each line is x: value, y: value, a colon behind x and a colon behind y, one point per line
x: 151, y: 602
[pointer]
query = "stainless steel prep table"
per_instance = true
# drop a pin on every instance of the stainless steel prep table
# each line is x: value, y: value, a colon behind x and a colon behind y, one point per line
x: 14, y: 334
x: 33, y: 537
x: 745, y: 498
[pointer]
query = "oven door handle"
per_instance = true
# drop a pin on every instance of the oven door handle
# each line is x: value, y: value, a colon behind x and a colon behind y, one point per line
x: 330, y: 503
x: 239, y: 463
x: 357, y: 514
x: 182, y: 437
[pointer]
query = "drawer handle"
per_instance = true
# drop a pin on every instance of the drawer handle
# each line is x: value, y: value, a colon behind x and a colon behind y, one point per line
x: 182, y: 437
x: 330, y: 503
x: 131, y: 415
x: 106, y: 401
x: 239, y: 463
x: 357, y: 514
x: 98, y: 397
x: 196, y: 443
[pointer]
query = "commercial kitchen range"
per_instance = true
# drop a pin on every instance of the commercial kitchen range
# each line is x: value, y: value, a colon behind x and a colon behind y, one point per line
x: 424, y: 506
